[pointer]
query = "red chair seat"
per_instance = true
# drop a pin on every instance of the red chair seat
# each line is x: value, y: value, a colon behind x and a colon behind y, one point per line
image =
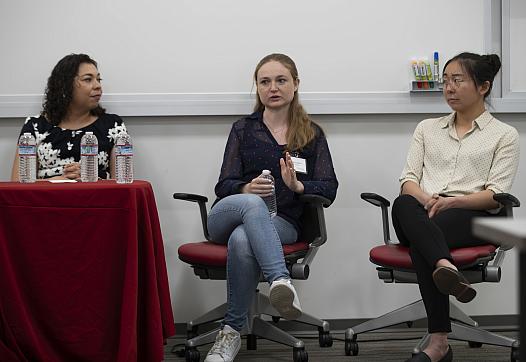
x: 211, y: 254
x: 397, y: 256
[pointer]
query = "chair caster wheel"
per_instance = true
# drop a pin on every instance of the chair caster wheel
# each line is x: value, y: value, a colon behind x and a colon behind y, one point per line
x: 325, y: 339
x: 351, y: 347
x: 515, y: 357
x: 300, y: 355
x: 275, y: 319
x: 472, y: 344
x: 192, y: 355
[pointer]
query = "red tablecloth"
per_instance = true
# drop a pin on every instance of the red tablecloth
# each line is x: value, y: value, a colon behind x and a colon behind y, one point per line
x: 82, y: 273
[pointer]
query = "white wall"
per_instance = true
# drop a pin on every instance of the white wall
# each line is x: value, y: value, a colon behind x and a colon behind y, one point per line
x: 183, y: 154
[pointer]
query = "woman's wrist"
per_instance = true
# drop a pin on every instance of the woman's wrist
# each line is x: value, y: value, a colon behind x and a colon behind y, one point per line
x: 243, y: 188
x: 299, y: 188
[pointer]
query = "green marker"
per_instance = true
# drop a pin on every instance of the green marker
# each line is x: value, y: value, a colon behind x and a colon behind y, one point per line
x: 429, y: 74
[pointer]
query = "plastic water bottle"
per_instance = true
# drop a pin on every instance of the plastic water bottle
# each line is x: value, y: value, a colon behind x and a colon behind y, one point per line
x: 270, y: 200
x: 123, y: 158
x: 89, y: 150
x: 27, y: 158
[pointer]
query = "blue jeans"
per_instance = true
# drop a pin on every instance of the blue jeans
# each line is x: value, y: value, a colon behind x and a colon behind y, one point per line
x: 254, y: 245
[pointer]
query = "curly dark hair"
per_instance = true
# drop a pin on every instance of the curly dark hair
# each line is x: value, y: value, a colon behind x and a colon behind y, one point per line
x: 59, y: 89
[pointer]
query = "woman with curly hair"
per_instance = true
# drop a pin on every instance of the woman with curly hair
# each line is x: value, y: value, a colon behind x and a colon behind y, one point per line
x: 71, y: 108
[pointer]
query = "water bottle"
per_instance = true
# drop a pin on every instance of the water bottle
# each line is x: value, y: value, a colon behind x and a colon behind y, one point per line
x: 89, y: 149
x: 27, y: 158
x: 123, y: 158
x: 270, y: 200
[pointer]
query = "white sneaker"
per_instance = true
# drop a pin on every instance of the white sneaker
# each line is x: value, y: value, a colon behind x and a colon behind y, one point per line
x: 228, y: 342
x: 284, y: 299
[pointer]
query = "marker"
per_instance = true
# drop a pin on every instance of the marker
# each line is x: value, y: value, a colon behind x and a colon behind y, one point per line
x: 428, y: 72
x: 423, y: 73
x: 416, y: 72
x: 436, y: 69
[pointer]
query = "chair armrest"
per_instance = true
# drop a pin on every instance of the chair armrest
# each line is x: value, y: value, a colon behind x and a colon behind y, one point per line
x: 315, y: 199
x: 201, y: 201
x: 384, y: 204
x: 375, y: 199
x: 508, y: 202
x: 190, y: 197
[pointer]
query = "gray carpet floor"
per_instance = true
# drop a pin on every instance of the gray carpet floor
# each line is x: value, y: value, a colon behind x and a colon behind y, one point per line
x: 373, y: 347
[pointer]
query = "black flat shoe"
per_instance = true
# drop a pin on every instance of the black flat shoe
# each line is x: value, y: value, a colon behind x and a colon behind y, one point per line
x: 422, y: 357
x: 450, y: 281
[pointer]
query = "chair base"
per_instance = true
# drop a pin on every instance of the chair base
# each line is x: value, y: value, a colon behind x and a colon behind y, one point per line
x: 463, y: 328
x: 257, y: 327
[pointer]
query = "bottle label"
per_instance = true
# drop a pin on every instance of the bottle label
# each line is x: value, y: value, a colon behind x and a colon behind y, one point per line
x: 88, y: 150
x: 124, y: 150
x: 27, y: 150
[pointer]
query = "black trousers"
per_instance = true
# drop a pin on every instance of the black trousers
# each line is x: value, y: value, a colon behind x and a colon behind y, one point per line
x: 429, y: 240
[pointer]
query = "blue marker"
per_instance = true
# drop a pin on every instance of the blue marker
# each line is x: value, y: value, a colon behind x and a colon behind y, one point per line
x: 436, y: 69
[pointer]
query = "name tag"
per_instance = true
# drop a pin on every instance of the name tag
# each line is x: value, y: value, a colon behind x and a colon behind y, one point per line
x: 300, y: 164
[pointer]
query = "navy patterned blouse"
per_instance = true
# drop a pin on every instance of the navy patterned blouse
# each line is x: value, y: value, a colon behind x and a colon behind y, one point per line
x: 57, y: 147
x: 251, y: 148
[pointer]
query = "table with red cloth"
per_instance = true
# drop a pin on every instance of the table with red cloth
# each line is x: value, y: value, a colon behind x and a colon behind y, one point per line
x: 82, y: 273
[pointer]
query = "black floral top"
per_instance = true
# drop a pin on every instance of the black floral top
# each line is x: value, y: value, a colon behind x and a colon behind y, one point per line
x: 251, y: 148
x: 57, y: 147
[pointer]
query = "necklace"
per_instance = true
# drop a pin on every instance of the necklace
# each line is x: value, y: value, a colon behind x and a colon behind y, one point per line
x: 277, y: 130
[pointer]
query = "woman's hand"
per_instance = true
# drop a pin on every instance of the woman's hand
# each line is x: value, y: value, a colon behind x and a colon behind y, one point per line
x: 72, y: 171
x: 288, y: 174
x: 438, y: 205
x: 259, y: 186
x: 430, y: 201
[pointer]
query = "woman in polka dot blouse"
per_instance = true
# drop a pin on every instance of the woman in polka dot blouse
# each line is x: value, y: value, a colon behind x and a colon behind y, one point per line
x: 455, y: 165
x: 279, y: 136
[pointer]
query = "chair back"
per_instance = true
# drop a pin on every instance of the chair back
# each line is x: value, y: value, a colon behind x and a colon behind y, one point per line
x: 312, y: 222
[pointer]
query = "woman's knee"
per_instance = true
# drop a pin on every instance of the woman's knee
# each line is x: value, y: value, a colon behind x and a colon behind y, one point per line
x: 253, y: 201
x: 403, y: 204
x: 241, y: 202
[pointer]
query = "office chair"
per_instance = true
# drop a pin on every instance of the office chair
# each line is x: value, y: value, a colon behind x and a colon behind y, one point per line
x: 209, y: 262
x: 478, y: 264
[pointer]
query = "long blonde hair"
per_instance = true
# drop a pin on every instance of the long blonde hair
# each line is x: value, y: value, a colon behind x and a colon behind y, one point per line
x: 301, y: 130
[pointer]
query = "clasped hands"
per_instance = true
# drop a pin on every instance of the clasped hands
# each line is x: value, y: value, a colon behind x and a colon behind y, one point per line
x: 71, y: 171
x: 263, y: 188
x: 436, y: 203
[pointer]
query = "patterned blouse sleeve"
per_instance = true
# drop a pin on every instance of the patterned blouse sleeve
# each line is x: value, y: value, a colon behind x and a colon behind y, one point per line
x: 28, y: 127
x: 117, y: 128
x: 323, y: 180
x: 415, y: 158
x: 232, y: 168
x: 505, y: 163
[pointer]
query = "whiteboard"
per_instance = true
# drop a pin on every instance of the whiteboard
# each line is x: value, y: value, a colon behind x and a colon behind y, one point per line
x: 174, y: 57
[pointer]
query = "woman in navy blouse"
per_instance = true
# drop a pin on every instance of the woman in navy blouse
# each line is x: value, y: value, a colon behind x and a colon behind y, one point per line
x: 279, y: 136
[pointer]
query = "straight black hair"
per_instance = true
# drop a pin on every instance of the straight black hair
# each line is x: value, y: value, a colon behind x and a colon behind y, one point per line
x: 480, y: 68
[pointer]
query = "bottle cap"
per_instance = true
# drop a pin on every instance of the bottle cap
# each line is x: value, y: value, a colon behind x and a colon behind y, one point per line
x: 265, y: 172
x: 89, y: 132
x: 27, y: 134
